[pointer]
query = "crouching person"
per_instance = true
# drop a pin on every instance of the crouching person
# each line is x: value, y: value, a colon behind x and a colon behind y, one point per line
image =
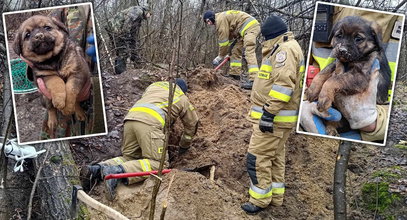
x: 143, y: 136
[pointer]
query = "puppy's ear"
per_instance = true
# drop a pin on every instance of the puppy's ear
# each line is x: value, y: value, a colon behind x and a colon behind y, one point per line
x: 333, y: 31
x: 17, y: 43
x: 60, y: 25
x: 376, y: 31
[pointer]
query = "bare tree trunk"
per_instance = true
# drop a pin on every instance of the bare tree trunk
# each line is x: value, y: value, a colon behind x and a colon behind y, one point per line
x: 58, y: 176
x: 340, y: 180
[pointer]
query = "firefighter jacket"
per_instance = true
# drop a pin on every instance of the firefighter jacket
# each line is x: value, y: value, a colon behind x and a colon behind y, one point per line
x: 152, y: 108
x: 230, y: 25
x: 277, y: 86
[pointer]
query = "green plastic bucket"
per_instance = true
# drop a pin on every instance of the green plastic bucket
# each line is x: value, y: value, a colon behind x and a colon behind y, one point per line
x: 21, y: 84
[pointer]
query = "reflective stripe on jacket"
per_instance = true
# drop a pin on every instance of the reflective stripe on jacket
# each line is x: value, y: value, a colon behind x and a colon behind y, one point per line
x: 152, y: 108
x: 278, y: 83
x: 230, y: 25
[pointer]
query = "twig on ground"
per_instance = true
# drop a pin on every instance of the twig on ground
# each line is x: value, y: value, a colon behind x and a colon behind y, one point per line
x: 37, y: 177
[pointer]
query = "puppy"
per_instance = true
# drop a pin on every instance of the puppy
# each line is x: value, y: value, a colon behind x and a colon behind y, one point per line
x: 350, y: 82
x: 44, y: 44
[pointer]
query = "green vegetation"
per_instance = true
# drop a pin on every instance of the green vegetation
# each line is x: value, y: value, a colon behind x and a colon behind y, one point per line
x: 376, y: 196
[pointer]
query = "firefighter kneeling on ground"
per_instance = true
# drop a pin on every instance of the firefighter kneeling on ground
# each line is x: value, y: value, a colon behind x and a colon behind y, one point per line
x: 143, y: 136
x: 275, y: 99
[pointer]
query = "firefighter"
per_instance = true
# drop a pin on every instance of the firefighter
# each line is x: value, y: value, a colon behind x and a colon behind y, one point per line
x: 391, y: 35
x: 236, y: 25
x: 275, y: 98
x: 143, y: 136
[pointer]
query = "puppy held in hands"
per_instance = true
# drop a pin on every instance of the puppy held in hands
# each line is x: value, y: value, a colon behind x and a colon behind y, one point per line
x: 359, y: 78
x: 44, y: 44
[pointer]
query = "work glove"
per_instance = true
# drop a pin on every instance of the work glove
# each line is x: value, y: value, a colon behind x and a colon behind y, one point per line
x: 217, y: 60
x: 91, y: 51
x: 311, y: 118
x: 184, y: 143
x: 266, y: 122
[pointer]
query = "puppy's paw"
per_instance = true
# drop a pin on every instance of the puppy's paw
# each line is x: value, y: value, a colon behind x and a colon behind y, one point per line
x: 68, y: 110
x: 52, y: 124
x: 312, y: 93
x: 58, y: 101
x: 324, y: 103
x: 331, y: 131
x: 80, y: 114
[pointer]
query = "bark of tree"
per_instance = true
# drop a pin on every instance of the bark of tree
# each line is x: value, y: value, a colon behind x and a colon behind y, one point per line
x: 58, y: 176
x: 341, y: 166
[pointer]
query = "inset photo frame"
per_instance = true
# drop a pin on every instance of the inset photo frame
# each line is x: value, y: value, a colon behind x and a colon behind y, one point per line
x: 55, y: 73
x: 350, y: 75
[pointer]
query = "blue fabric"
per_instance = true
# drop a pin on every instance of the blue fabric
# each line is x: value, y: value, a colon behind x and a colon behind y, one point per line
x: 319, y: 124
x: 182, y: 84
x: 334, y: 115
x: 91, y: 51
x: 353, y: 134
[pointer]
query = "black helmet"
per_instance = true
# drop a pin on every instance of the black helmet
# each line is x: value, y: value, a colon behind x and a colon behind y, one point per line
x: 209, y: 15
x: 273, y: 27
x: 182, y: 84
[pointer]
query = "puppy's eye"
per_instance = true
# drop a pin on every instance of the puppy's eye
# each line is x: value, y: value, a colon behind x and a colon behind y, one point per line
x: 358, y: 39
x: 48, y: 28
x: 339, y: 36
x: 27, y: 35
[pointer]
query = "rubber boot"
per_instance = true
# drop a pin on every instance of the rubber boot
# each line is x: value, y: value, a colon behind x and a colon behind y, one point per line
x: 111, y: 184
x: 90, y: 175
x: 251, y: 209
x: 247, y: 85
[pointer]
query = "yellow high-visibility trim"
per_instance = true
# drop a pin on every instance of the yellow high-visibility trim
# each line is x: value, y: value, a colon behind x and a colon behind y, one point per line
x: 255, y: 115
x: 251, y: 23
x: 265, y: 67
x: 392, y: 66
x: 253, y: 69
x: 279, y: 95
x: 160, y: 150
x: 302, y: 68
x: 260, y: 196
x: 263, y: 75
x: 165, y: 104
x: 233, y: 12
x: 323, y: 62
x: 191, y: 107
x: 278, y: 191
x: 280, y: 118
x: 226, y: 43
x: 149, y: 111
x: 118, y: 160
x: 143, y: 167
x: 235, y: 64
x: 148, y: 164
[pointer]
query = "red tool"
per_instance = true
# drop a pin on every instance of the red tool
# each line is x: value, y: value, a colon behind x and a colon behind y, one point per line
x: 227, y: 58
x: 125, y: 175
x: 312, y: 72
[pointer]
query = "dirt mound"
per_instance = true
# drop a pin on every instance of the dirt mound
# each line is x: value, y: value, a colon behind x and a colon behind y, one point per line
x: 222, y: 140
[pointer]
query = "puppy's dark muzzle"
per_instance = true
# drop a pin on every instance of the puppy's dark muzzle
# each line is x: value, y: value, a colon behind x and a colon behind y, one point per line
x: 42, y: 43
x: 343, y: 54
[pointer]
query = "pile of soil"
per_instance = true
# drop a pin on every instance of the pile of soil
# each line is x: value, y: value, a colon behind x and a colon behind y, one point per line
x: 222, y: 140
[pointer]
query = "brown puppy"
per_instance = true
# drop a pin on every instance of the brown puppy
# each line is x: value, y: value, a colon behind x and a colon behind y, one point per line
x: 349, y: 81
x: 44, y: 44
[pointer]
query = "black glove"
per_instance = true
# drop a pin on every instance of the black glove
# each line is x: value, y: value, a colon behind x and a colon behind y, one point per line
x: 266, y: 122
x: 182, y: 150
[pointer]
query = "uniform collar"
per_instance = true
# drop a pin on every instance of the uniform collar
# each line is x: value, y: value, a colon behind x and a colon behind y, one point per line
x: 270, y: 44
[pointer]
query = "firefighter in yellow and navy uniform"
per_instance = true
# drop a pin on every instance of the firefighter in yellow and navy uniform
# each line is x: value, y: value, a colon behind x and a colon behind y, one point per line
x: 275, y: 99
x: 236, y: 25
x: 391, y: 35
x: 143, y: 136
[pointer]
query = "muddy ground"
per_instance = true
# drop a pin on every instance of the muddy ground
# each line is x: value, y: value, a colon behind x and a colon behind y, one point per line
x: 222, y: 140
